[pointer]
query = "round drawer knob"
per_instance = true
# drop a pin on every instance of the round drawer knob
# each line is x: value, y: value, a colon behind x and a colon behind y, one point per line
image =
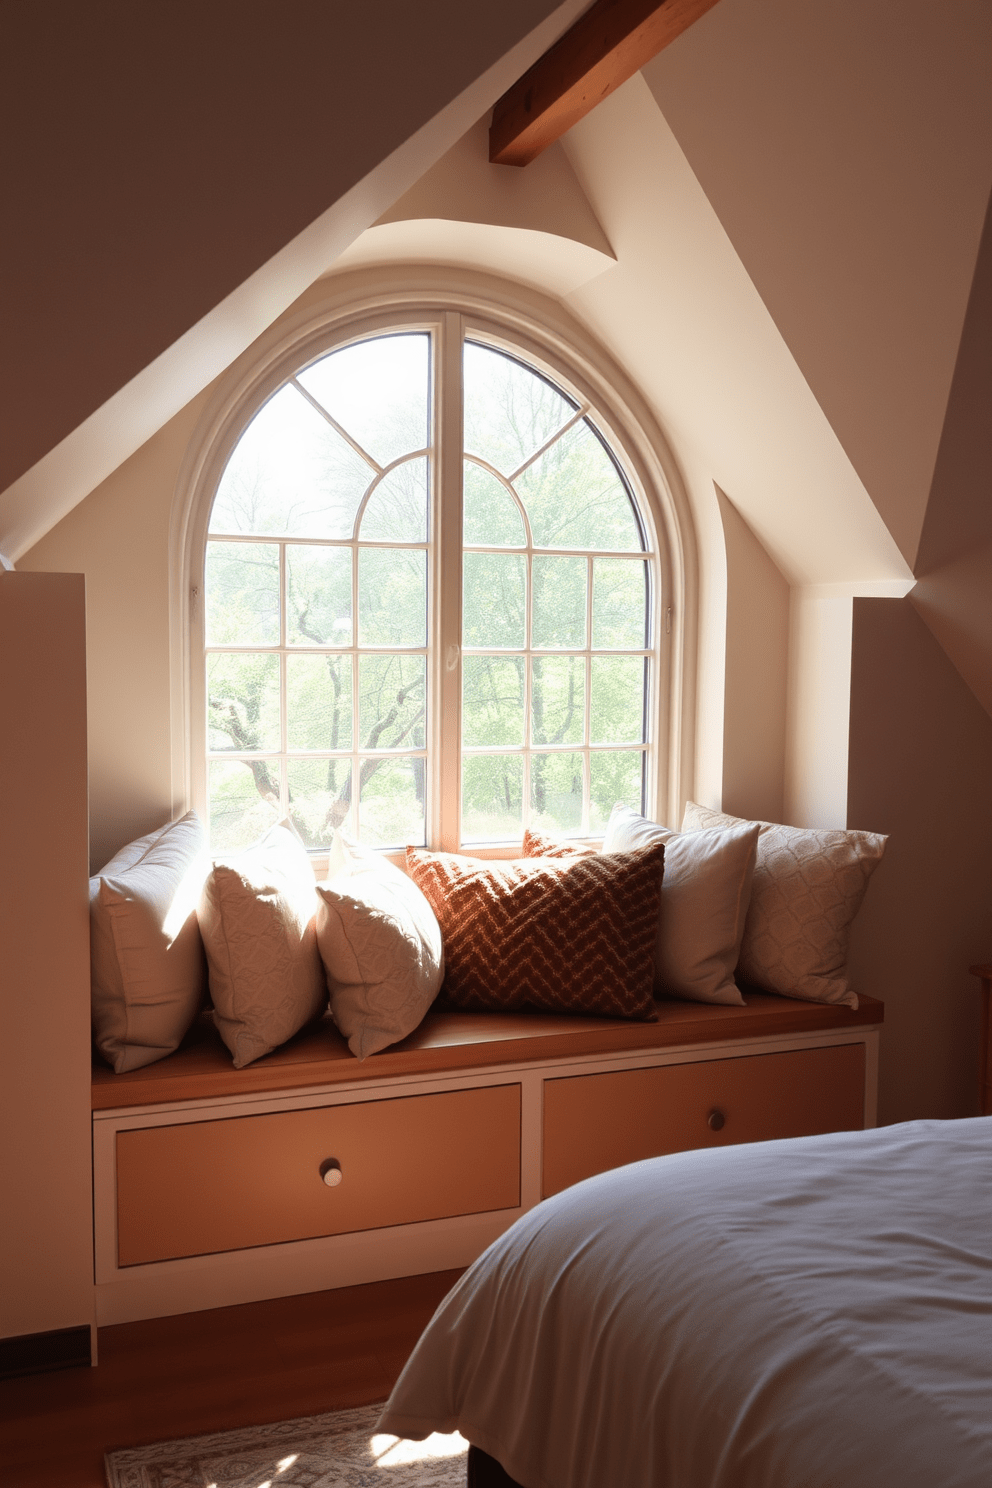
x: 330, y: 1171
x: 715, y: 1121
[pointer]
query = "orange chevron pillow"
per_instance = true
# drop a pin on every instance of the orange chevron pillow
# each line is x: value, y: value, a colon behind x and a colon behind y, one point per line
x: 573, y: 935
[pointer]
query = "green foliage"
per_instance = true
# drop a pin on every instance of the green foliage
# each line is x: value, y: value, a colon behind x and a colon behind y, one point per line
x: 397, y: 508
x: 510, y: 411
x: 242, y: 589
x: 491, y: 517
x: 574, y: 496
x: 494, y: 599
x: 392, y: 597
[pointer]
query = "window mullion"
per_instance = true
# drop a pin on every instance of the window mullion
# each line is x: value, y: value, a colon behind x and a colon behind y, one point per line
x: 283, y: 691
x: 445, y: 827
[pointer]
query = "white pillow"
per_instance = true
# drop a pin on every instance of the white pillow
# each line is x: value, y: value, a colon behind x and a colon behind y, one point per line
x: 148, y: 975
x: 808, y: 886
x: 380, y: 943
x: 705, y: 890
x: 257, y: 915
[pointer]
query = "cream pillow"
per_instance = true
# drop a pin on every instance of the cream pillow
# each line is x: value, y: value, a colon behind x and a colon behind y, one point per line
x: 148, y: 975
x: 257, y: 917
x: 704, y: 897
x: 380, y: 943
x: 808, y: 886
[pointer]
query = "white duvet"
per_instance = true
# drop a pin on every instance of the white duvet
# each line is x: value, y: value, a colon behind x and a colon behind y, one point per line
x: 804, y: 1314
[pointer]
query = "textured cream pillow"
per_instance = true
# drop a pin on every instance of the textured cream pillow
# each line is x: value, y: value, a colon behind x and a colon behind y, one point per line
x: 704, y: 898
x: 148, y: 975
x: 808, y: 886
x: 257, y: 917
x: 380, y: 943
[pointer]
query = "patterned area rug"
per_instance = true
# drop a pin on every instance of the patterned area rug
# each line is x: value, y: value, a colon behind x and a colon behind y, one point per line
x: 337, y: 1450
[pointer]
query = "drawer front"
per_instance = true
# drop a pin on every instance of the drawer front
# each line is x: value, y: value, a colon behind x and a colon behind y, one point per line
x: 596, y: 1122
x: 212, y: 1186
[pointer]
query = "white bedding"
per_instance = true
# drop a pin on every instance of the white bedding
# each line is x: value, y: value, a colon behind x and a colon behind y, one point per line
x: 805, y: 1314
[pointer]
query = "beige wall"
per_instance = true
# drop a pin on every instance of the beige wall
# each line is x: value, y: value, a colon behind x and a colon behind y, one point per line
x: 46, y: 1242
x: 119, y: 538
x: 921, y: 770
x: 755, y: 687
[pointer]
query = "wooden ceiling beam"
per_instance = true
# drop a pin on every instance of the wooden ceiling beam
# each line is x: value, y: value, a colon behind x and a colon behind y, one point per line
x: 605, y: 47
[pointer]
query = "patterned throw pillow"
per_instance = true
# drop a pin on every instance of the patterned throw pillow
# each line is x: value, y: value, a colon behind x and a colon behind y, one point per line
x: 543, y: 845
x: 808, y: 885
x: 574, y: 936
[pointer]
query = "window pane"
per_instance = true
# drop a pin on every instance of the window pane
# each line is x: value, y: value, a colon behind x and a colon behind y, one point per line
x: 242, y: 584
x: 557, y: 694
x: 574, y: 496
x: 243, y: 701
x: 391, y: 812
x: 243, y: 802
x: 318, y: 702
x: 493, y: 606
x: 379, y: 392
x: 617, y: 699
x: 491, y: 516
x: 492, y: 797
x: 559, y: 601
x: 392, y: 597
x: 319, y: 798
x: 397, y: 509
x: 392, y: 702
x: 616, y: 775
x: 318, y: 602
x: 509, y: 410
x: 291, y: 474
x: 619, y: 603
x: 556, y: 792
x: 492, y: 700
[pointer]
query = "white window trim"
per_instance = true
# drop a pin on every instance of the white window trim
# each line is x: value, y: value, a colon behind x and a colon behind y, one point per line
x: 527, y: 325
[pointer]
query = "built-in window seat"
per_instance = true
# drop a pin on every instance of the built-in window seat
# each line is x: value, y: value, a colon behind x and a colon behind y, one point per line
x: 312, y: 1169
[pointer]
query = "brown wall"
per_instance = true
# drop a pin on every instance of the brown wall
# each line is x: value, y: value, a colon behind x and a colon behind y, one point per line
x: 754, y: 710
x: 46, y: 1239
x: 920, y: 768
x: 156, y: 156
x: 954, y: 563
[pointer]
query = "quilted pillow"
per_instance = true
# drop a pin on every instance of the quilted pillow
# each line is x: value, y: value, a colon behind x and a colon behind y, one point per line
x: 257, y: 917
x: 148, y: 977
x: 704, y: 900
x: 575, y: 936
x: 380, y: 943
x: 808, y: 886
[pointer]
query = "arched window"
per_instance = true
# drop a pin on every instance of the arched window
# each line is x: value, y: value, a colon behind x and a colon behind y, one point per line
x: 431, y: 601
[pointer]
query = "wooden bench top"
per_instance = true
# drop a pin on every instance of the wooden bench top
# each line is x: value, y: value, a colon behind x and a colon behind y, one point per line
x: 201, y: 1067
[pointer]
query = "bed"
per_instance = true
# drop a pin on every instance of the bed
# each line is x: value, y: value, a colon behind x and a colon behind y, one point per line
x: 813, y: 1313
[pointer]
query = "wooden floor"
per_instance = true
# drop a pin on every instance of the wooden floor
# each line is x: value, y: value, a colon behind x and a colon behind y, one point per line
x: 210, y: 1371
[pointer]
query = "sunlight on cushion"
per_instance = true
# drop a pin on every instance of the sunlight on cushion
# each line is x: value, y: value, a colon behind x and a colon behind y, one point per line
x: 390, y: 1451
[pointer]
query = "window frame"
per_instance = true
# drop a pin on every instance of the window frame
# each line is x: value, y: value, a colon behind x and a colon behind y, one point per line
x: 561, y: 352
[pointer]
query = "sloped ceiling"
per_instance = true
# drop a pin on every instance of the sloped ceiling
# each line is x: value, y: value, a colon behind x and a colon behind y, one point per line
x: 847, y: 151
x: 173, y: 181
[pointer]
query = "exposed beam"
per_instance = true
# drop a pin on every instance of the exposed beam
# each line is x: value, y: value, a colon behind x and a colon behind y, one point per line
x: 604, y: 48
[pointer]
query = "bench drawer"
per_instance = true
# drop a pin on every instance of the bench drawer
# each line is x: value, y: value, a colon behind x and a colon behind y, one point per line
x: 202, y: 1187
x: 596, y: 1122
